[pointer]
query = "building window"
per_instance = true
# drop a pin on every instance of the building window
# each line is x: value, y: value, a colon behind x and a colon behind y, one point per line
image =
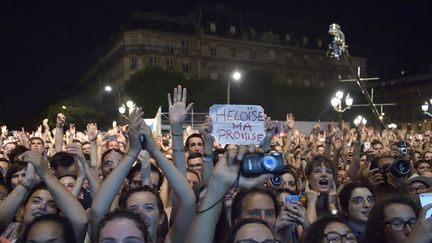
x: 185, y: 47
x: 253, y: 54
x: 213, y: 51
x: 133, y: 62
x: 153, y: 61
x: 272, y: 54
x: 233, y: 53
x: 170, y: 46
x: 232, y: 30
x: 212, y: 27
x: 214, y: 75
x: 186, y: 66
x: 170, y: 64
x: 319, y: 42
x: 305, y: 40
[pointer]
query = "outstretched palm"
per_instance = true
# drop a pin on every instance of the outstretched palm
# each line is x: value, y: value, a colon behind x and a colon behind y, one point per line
x: 177, y: 106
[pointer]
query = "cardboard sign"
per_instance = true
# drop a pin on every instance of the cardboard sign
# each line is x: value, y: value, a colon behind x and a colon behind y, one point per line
x: 238, y: 124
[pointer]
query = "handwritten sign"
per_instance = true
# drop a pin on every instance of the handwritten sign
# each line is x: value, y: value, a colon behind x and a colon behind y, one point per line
x: 238, y: 124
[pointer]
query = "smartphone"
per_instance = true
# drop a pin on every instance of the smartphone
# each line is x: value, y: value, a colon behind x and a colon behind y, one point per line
x: 425, y: 199
x: 292, y: 198
x: 366, y: 146
x: 111, y: 137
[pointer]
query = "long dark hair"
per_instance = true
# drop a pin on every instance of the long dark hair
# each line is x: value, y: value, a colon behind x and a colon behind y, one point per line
x: 375, y: 226
x: 125, y: 214
x: 63, y: 222
x: 233, y: 232
x: 315, y: 232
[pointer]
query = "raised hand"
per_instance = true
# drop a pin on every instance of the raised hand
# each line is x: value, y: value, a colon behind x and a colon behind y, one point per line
x: 72, y: 129
x: 61, y: 119
x: 135, y: 123
x: 227, y: 171
x: 92, y: 131
x: 39, y: 163
x: 75, y: 150
x: 290, y: 121
x: 177, y: 106
x: 207, y: 128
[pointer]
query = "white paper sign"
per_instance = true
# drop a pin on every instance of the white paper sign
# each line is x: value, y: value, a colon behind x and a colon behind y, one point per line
x: 238, y: 124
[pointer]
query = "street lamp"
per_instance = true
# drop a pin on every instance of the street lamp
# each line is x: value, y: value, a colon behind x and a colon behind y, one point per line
x: 336, y: 102
x: 360, y: 120
x: 108, y: 88
x: 236, y: 76
x: 425, y: 108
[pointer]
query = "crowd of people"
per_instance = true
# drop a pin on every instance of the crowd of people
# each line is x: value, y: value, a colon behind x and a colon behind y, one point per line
x: 127, y: 184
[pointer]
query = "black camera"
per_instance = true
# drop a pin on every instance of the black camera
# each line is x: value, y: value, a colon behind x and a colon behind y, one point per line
x: 257, y: 164
x: 398, y: 168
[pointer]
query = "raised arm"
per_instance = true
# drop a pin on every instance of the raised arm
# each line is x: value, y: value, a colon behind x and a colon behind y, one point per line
x: 58, y: 136
x: 145, y: 168
x: 288, y: 138
x: 179, y: 184
x: 13, y: 201
x: 206, y: 131
x: 112, y: 184
x: 177, y: 114
x: 225, y: 176
x: 69, y: 205
x: 269, y: 131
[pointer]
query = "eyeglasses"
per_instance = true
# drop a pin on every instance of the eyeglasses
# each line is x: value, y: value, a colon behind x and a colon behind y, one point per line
x: 399, y: 224
x: 420, y: 189
x: 254, y: 241
x: 361, y: 200
x: 335, y: 237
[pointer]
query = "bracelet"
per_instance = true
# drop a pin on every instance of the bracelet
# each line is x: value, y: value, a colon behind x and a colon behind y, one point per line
x: 28, y: 188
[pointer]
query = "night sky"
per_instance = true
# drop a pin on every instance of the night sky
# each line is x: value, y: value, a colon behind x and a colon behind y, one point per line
x: 45, y: 47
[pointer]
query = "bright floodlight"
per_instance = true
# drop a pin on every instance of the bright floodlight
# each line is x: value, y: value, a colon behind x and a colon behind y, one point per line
x: 339, y: 94
x: 130, y: 104
x: 348, y: 100
x: 335, y: 101
x: 392, y: 126
x: 236, y: 75
x: 64, y: 107
x: 108, y: 88
x: 425, y: 107
x: 122, y: 109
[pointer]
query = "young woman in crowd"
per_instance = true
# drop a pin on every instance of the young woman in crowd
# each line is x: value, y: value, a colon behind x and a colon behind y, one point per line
x: 391, y: 220
x: 320, y: 189
x: 49, y: 228
x: 356, y: 201
x: 38, y: 200
x: 251, y: 230
x: 145, y: 202
x: 122, y: 226
x: 329, y: 230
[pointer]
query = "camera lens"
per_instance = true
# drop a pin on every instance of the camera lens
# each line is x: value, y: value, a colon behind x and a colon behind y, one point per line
x: 401, y: 167
x: 276, y: 180
x: 269, y: 163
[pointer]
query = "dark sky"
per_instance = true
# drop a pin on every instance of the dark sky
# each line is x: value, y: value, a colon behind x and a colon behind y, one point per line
x: 45, y: 46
